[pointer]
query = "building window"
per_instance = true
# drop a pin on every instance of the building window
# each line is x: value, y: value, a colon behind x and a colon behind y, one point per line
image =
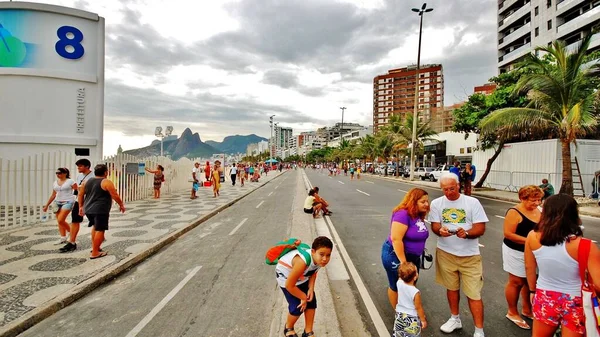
x: 548, y: 3
x: 537, y: 31
x: 462, y: 150
x: 549, y: 24
x: 469, y: 150
x: 536, y: 10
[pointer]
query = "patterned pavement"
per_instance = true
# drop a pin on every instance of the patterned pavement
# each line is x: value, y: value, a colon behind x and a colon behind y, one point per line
x: 32, y: 271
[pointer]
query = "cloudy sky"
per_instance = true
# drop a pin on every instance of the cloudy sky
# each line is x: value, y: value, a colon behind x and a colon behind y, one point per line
x: 221, y: 67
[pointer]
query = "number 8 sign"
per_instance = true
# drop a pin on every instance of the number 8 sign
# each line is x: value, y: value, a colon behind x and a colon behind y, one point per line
x: 69, y: 36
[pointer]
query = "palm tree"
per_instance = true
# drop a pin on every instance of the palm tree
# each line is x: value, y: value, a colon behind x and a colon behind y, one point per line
x: 384, y: 144
x: 366, y: 147
x: 562, y: 97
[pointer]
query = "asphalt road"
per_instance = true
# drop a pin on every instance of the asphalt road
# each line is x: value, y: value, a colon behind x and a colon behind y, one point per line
x: 229, y: 290
x: 362, y: 211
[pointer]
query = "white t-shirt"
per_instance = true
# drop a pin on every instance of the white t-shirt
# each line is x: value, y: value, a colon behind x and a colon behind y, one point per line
x: 233, y: 170
x: 284, y: 268
x: 460, y: 213
x: 195, y: 170
x: 406, y: 298
x: 64, y: 192
x: 308, y: 202
x: 83, y: 177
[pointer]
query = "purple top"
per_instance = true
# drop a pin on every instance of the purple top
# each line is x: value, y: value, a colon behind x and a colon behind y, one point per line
x: 416, y: 234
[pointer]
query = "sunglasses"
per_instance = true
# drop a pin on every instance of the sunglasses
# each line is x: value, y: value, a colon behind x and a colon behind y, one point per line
x: 60, y: 173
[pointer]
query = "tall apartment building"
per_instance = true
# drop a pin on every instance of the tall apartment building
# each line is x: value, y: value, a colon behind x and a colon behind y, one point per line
x: 524, y: 25
x: 282, y: 137
x: 485, y: 89
x: 394, y: 93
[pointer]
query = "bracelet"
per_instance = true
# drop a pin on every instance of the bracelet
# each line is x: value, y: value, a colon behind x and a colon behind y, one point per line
x: 532, y: 291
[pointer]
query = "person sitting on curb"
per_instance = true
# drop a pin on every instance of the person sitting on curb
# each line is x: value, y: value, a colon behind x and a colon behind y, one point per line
x: 547, y: 188
x: 322, y: 201
x: 311, y: 205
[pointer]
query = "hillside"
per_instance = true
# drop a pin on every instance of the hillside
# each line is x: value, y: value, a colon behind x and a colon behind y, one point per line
x: 235, y: 144
x: 188, y: 145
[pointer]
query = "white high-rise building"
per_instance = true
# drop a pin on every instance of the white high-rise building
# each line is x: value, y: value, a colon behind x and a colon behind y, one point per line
x: 524, y: 25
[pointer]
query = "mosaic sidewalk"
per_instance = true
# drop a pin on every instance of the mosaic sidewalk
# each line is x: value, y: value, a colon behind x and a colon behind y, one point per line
x: 33, y: 272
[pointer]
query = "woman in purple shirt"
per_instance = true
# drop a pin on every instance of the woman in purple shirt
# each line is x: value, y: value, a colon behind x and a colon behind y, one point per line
x: 407, y: 238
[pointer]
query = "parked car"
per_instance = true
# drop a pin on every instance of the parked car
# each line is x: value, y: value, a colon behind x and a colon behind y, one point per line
x: 437, y: 173
x: 424, y: 172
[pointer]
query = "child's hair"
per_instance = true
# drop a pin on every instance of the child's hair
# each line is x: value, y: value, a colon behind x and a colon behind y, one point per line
x: 322, y: 242
x: 407, y: 271
x: 311, y: 192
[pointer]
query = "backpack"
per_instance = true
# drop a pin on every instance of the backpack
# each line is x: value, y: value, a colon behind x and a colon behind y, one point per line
x: 283, y: 247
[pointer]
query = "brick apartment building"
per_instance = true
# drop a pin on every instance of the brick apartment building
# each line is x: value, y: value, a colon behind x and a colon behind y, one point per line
x: 394, y: 93
x: 486, y: 89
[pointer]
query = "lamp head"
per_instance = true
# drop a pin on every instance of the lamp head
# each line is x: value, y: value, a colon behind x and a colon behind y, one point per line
x: 424, y: 6
x: 415, y: 10
x: 169, y: 131
x: 158, y: 131
x: 428, y: 10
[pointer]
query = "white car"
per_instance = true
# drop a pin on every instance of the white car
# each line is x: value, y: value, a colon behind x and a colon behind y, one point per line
x: 437, y: 173
x: 424, y: 172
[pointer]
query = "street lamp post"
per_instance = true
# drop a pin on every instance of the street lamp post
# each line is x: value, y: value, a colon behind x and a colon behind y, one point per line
x: 158, y: 133
x: 421, y: 11
x: 342, y: 130
x: 271, y: 140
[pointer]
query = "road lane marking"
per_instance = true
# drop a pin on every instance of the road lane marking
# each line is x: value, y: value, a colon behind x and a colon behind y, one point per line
x: 359, y: 191
x: 269, y: 194
x: 370, y: 182
x: 138, y: 328
x: 276, y: 187
x: 499, y: 216
x: 402, y: 191
x: 341, y: 182
x: 262, y: 202
x: 238, y: 226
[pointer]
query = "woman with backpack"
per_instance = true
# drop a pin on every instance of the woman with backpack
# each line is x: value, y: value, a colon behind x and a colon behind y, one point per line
x: 159, y: 178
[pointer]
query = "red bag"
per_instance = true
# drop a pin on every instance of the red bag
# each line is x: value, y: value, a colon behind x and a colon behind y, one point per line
x: 207, y: 183
x: 276, y: 252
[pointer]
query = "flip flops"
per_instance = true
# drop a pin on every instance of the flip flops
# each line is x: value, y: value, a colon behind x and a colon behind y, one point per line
x: 520, y: 322
x: 102, y: 254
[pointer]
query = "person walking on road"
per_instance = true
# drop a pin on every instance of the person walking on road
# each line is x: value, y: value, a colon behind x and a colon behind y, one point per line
x: 551, y: 264
x: 233, y: 173
x: 519, y: 221
x: 85, y: 174
x: 406, y: 241
x: 216, y: 178
x: 195, y: 180
x: 459, y: 221
x: 62, y: 199
x: 159, y: 177
x: 96, y: 198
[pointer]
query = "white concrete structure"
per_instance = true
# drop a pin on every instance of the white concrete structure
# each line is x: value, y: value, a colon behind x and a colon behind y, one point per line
x: 524, y: 25
x: 352, y: 135
x: 527, y: 163
x: 51, y: 80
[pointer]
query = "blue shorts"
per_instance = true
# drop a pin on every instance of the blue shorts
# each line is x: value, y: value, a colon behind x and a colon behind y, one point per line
x: 294, y: 302
x: 391, y: 263
x: 64, y: 205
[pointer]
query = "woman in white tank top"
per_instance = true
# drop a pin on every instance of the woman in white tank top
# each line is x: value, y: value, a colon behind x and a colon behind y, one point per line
x: 551, y: 250
x: 62, y: 199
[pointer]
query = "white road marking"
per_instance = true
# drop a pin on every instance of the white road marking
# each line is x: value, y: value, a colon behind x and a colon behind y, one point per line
x: 269, y: 194
x: 341, y: 182
x: 359, y: 191
x: 262, y: 202
x: 370, y: 182
x: 402, y: 191
x: 138, y: 328
x: 499, y: 216
x: 276, y: 187
x: 238, y: 226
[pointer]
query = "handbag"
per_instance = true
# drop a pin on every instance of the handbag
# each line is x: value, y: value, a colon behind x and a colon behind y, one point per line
x: 426, y: 257
x: 588, y: 292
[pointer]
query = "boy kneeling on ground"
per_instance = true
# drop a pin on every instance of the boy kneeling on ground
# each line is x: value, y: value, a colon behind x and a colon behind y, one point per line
x: 297, y: 279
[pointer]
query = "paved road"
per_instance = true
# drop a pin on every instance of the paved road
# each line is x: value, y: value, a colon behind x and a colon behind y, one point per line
x: 230, y: 291
x: 362, y: 211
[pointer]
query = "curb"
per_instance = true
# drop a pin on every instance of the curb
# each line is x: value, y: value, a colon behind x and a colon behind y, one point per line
x: 40, y: 313
x: 593, y: 215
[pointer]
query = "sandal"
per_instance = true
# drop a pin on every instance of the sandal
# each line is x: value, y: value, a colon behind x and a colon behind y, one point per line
x: 520, y: 322
x: 286, y: 330
x: 527, y: 316
x: 308, y: 334
x: 103, y: 254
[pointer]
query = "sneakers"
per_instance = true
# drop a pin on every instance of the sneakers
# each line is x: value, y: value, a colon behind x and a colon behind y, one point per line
x: 478, y: 334
x: 69, y: 247
x: 61, y: 242
x: 451, y: 325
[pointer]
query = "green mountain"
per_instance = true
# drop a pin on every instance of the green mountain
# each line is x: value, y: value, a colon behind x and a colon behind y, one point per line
x: 188, y: 145
x: 235, y: 144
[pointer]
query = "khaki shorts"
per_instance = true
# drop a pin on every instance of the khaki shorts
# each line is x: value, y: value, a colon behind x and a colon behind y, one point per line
x: 459, y: 272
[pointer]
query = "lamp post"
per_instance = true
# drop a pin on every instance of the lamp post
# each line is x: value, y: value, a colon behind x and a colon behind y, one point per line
x: 271, y: 140
x: 275, y: 139
x: 421, y: 11
x: 343, y: 108
x: 158, y: 133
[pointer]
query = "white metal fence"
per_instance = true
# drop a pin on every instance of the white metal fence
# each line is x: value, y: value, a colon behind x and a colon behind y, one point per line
x: 26, y: 183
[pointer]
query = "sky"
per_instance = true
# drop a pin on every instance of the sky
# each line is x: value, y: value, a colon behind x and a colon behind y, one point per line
x: 222, y: 67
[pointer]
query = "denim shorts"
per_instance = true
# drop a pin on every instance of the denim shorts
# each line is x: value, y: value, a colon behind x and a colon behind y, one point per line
x: 391, y: 263
x: 64, y: 205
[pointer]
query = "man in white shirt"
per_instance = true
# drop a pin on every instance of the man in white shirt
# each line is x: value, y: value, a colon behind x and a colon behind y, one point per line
x: 233, y: 173
x: 195, y: 184
x: 459, y: 221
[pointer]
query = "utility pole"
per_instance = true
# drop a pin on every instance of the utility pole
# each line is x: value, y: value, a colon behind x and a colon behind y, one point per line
x: 342, y: 128
x: 271, y: 140
x: 421, y: 11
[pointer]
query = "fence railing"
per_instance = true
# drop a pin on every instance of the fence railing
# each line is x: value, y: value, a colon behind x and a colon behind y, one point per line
x: 26, y: 183
x: 514, y: 180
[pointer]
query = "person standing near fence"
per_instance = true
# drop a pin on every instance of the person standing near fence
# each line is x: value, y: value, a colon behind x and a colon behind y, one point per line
x: 96, y: 199
x: 83, y: 167
x: 159, y: 177
x: 62, y: 199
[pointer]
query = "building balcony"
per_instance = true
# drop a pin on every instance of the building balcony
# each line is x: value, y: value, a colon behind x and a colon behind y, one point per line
x: 580, y: 21
x: 595, y: 42
x: 519, y: 14
x: 514, y: 55
x: 506, y: 5
x: 517, y: 34
x: 566, y: 5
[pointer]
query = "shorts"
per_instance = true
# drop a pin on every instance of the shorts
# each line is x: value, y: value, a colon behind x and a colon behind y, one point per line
x: 391, y: 263
x: 195, y: 186
x: 554, y: 308
x: 406, y: 325
x: 459, y: 272
x: 99, y: 221
x: 294, y: 302
x: 513, y: 261
x: 63, y: 205
x: 75, y: 217
x: 309, y: 210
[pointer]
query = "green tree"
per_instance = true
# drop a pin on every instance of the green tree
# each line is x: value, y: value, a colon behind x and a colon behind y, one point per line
x: 384, y: 145
x: 562, y: 94
x: 365, y: 148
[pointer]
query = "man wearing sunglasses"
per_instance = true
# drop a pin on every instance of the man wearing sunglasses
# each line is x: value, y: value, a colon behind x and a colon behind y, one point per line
x: 83, y: 167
